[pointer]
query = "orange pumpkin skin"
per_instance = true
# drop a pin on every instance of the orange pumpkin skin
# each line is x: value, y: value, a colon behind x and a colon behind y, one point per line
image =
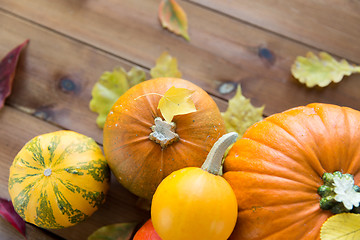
x: 276, y: 169
x: 139, y: 163
x: 147, y: 232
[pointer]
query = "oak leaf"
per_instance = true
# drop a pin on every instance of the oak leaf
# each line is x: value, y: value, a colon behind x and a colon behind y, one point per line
x: 176, y: 101
x: 312, y: 70
x: 174, y: 18
x: 241, y: 114
x: 110, y: 87
x: 344, y: 226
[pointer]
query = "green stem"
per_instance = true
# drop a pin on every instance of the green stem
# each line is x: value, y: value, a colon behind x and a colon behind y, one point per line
x: 339, y: 194
x: 213, y: 160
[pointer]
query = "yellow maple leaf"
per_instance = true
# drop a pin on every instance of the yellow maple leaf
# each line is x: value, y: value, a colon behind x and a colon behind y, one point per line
x: 312, y: 70
x: 166, y: 66
x: 344, y: 226
x: 241, y: 114
x: 176, y: 101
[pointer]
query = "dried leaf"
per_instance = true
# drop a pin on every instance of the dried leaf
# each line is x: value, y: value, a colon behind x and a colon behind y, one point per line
x: 176, y: 101
x: 8, y: 212
x: 166, y: 66
x: 344, y: 226
x: 7, y: 71
x: 118, y: 231
x: 312, y: 70
x: 173, y: 17
x: 240, y: 114
x: 110, y: 87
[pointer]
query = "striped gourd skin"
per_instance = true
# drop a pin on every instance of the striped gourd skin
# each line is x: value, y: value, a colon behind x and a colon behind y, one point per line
x: 58, y: 179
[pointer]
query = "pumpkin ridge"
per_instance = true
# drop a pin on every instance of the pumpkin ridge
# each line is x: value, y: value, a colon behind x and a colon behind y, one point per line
x: 300, y: 146
x: 19, y: 180
x: 54, y: 143
x: 142, y: 166
x: 26, y: 164
x: 133, y: 141
x: 35, y: 148
x: 312, y: 188
x: 21, y: 201
x: 307, y: 215
x: 76, y: 147
x: 278, y: 151
x: 94, y: 198
x: 350, y: 155
x: 322, y: 110
x: 299, y: 222
x: 74, y: 215
x: 44, y: 213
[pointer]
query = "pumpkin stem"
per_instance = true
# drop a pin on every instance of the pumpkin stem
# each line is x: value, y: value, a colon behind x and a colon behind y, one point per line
x: 163, y: 133
x: 339, y: 194
x: 213, y: 160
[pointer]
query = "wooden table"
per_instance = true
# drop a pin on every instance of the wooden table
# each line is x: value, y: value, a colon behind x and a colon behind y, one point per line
x: 253, y: 43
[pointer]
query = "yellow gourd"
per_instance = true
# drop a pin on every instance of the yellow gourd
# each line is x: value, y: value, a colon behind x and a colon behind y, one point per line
x: 58, y: 179
x: 196, y: 203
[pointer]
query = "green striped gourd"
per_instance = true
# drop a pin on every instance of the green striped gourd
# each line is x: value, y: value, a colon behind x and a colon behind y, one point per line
x: 58, y: 179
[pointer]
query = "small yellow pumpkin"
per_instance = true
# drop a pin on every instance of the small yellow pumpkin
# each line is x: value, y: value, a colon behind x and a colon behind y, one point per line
x: 196, y: 203
x: 58, y: 179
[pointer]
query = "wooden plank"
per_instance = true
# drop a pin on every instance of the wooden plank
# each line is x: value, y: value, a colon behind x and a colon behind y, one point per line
x: 16, y: 129
x: 332, y: 26
x: 221, y: 49
x: 54, y: 83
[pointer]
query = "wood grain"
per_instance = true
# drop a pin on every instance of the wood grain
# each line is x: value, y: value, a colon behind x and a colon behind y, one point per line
x: 55, y: 76
x: 221, y: 49
x: 120, y: 205
x: 332, y: 26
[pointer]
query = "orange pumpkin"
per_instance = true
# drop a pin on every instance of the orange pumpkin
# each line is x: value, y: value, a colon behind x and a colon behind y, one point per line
x: 285, y: 166
x: 140, y: 163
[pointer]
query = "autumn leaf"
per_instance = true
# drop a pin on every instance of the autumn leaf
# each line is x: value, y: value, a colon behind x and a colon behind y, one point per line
x: 344, y: 226
x: 110, y: 87
x: 173, y: 17
x: 8, y: 212
x: 176, y: 101
x: 240, y: 114
x: 7, y: 71
x: 166, y: 66
x: 118, y: 231
x: 312, y: 70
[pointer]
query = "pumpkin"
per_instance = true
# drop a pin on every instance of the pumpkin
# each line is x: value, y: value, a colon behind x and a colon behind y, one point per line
x: 147, y: 232
x: 287, y: 172
x: 58, y: 179
x: 138, y: 159
x: 196, y: 203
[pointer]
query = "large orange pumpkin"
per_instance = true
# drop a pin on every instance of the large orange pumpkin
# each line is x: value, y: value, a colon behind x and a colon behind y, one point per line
x: 280, y: 165
x: 140, y: 163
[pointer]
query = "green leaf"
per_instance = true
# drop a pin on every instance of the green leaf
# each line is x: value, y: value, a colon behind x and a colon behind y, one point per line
x: 110, y: 87
x: 240, y: 114
x: 119, y: 231
x: 166, y: 66
x: 343, y: 226
x: 176, y: 101
x: 313, y: 71
x: 173, y: 17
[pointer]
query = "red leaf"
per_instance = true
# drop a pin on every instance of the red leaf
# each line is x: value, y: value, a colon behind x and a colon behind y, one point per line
x: 7, y: 211
x: 7, y: 71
